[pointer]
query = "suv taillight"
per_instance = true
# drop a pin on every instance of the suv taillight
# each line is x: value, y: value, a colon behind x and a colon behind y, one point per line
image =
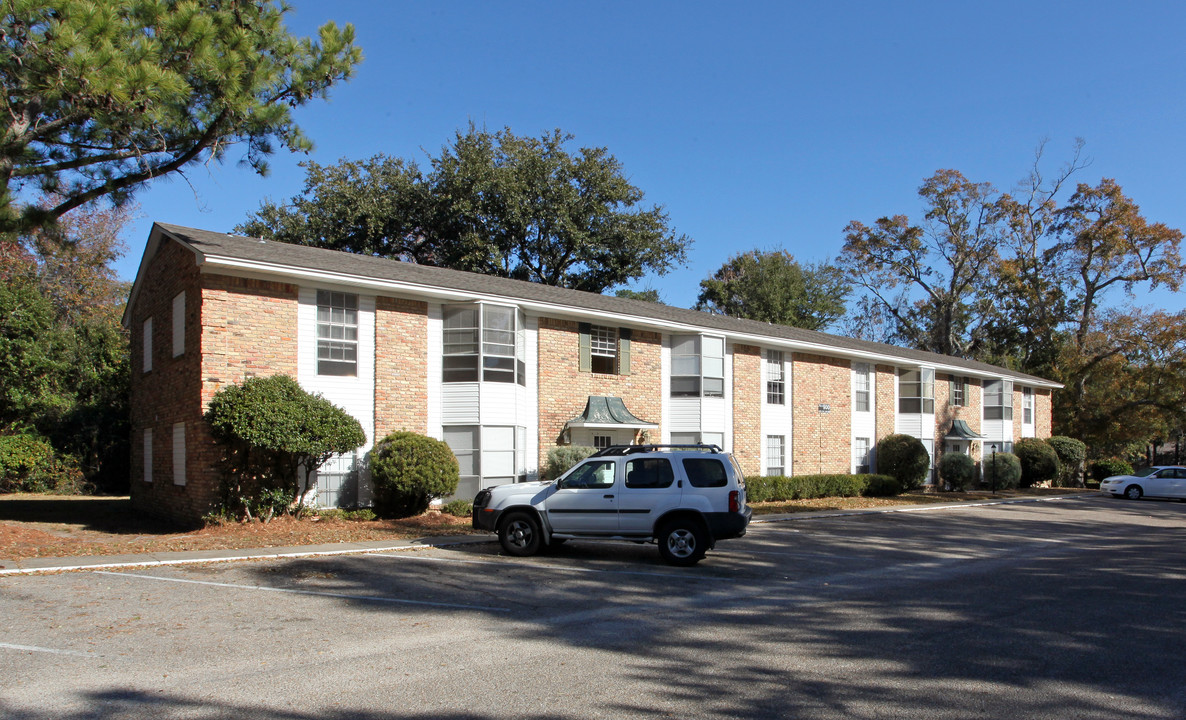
x: 734, y: 501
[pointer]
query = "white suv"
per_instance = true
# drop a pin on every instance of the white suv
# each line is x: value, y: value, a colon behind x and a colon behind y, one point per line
x: 685, y: 497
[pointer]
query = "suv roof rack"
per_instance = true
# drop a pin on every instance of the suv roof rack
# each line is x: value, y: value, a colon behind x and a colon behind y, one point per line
x: 633, y: 449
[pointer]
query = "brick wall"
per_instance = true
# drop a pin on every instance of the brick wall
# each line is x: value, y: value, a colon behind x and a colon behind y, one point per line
x: 822, y: 440
x: 401, y: 366
x: 946, y: 414
x: 1043, y: 412
x: 563, y: 389
x: 885, y: 378
x: 748, y: 395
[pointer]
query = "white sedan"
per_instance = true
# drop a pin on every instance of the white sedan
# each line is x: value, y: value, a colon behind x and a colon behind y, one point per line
x: 1164, y: 481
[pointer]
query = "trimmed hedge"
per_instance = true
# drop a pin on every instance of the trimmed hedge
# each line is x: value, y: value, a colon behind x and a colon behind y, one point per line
x: 1039, y: 462
x: 904, y: 457
x: 1101, y: 469
x: 1003, y: 469
x: 1071, y: 453
x: 408, y: 471
x: 778, y: 488
x: 957, y: 470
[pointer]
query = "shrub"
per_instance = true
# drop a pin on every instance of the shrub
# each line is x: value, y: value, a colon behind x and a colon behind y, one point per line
x: 957, y: 470
x: 270, y: 428
x: 1101, y: 469
x: 1039, y: 462
x: 883, y: 486
x: 1002, y: 471
x: 563, y: 457
x: 1071, y: 453
x: 778, y: 488
x: 459, y: 508
x: 408, y: 471
x: 28, y: 463
x: 905, y: 458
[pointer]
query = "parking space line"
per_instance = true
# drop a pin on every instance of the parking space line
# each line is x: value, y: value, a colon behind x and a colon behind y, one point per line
x: 667, y: 576
x: 51, y: 651
x: 340, y: 596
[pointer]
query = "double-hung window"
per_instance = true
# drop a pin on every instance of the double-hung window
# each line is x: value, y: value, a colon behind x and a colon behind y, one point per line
x: 916, y: 391
x: 697, y: 366
x: 860, y: 454
x: 998, y: 400
x: 1027, y: 406
x: 860, y: 387
x: 483, y: 342
x: 775, y: 378
x: 603, y: 349
x: 337, y: 333
x: 776, y: 452
x: 959, y: 391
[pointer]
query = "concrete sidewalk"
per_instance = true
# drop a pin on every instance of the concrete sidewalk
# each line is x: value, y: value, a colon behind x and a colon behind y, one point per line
x: 186, y: 557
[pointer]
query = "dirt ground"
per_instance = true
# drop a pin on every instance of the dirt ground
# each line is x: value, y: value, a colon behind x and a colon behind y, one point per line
x: 61, y: 526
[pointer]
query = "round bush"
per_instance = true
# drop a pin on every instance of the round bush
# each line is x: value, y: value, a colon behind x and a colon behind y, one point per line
x: 882, y: 486
x: 408, y: 471
x: 957, y: 470
x: 905, y: 458
x: 563, y: 457
x: 1101, y: 469
x: 1039, y: 462
x: 1071, y: 453
x: 1002, y: 471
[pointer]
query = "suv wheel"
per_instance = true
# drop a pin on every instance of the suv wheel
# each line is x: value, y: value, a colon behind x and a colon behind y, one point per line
x: 683, y: 542
x: 520, y: 534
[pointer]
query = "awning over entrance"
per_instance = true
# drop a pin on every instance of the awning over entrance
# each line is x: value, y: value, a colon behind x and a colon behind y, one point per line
x: 960, y: 431
x: 607, y: 411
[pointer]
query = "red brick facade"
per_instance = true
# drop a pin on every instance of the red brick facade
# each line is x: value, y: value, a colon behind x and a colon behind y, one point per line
x: 823, y: 438
x: 887, y: 407
x: 748, y: 395
x: 401, y: 366
x: 564, y: 389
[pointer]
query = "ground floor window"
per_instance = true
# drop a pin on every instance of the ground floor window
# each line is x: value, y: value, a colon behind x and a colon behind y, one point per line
x: 601, y: 442
x: 860, y: 455
x: 487, y: 455
x: 338, y: 482
x: 776, y: 453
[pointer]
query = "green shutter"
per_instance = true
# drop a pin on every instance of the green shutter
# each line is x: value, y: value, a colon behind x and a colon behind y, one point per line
x: 585, y: 364
x: 623, y: 351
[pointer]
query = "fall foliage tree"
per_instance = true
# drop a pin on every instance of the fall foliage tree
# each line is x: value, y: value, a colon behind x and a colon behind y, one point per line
x: 494, y: 203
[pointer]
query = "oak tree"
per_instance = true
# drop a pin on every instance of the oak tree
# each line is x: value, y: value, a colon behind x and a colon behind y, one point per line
x: 773, y: 287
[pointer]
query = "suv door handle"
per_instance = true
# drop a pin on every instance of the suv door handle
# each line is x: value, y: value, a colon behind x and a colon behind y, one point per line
x: 608, y: 497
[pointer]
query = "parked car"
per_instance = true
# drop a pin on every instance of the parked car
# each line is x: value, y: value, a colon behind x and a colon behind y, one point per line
x: 683, y: 497
x: 1164, y: 481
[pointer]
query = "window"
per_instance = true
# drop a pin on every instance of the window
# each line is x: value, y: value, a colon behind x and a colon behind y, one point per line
x: 998, y: 400
x: 776, y: 450
x: 179, y: 324
x: 148, y: 455
x: 463, y: 441
x: 860, y: 455
x: 596, y: 474
x: 1027, y: 406
x: 697, y: 366
x: 179, y: 453
x: 705, y: 472
x: 502, y: 349
x: 649, y: 473
x: 603, y: 349
x: 916, y: 391
x: 959, y: 391
x: 860, y: 387
x: 601, y: 442
x: 337, y: 333
x: 147, y: 345
x: 487, y: 455
x: 775, y: 378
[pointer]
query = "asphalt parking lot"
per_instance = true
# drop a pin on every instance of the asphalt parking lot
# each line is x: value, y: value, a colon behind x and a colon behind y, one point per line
x: 1059, y: 609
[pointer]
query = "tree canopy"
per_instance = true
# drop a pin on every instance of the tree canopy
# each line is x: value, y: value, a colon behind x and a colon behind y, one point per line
x: 101, y: 97
x: 492, y: 203
x: 773, y: 287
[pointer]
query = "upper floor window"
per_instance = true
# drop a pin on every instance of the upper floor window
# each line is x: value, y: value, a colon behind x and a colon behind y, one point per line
x: 488, y: 338
x: 775, y: 378
x: 697, y: 366
x: 337, y: 333
x: 1027, y: 406
x: 147, y: 338
x: 916, y: 391
x: 860, y: 387
x: 998, y: 400
x: 959, y: 391
x: 179, y: 324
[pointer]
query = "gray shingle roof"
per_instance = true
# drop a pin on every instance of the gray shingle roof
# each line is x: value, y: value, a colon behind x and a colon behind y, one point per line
x: 299, y: 257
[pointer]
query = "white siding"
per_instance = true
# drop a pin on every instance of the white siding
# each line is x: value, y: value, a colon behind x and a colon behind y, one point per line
x: 460, y: 404
x: 665, y: 406
x: 435, y: 397
x: 684, y: 413
x: 714, y: 416
x: 529, y: 400
x: 499, y: 403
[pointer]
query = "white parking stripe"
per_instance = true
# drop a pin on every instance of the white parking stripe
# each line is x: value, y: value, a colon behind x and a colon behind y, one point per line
x: 534, y: 566
x: 51, y: 651
x: 364, y: 598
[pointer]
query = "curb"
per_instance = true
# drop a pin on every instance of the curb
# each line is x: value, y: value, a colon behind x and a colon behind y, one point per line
x: 34, y: 566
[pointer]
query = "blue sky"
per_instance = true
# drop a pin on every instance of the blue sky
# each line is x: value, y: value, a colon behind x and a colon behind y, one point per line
x: 756, y: 125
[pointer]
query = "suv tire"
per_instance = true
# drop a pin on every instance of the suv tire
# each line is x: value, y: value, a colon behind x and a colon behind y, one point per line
x: 520, y: 534
x: 682, y: 542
